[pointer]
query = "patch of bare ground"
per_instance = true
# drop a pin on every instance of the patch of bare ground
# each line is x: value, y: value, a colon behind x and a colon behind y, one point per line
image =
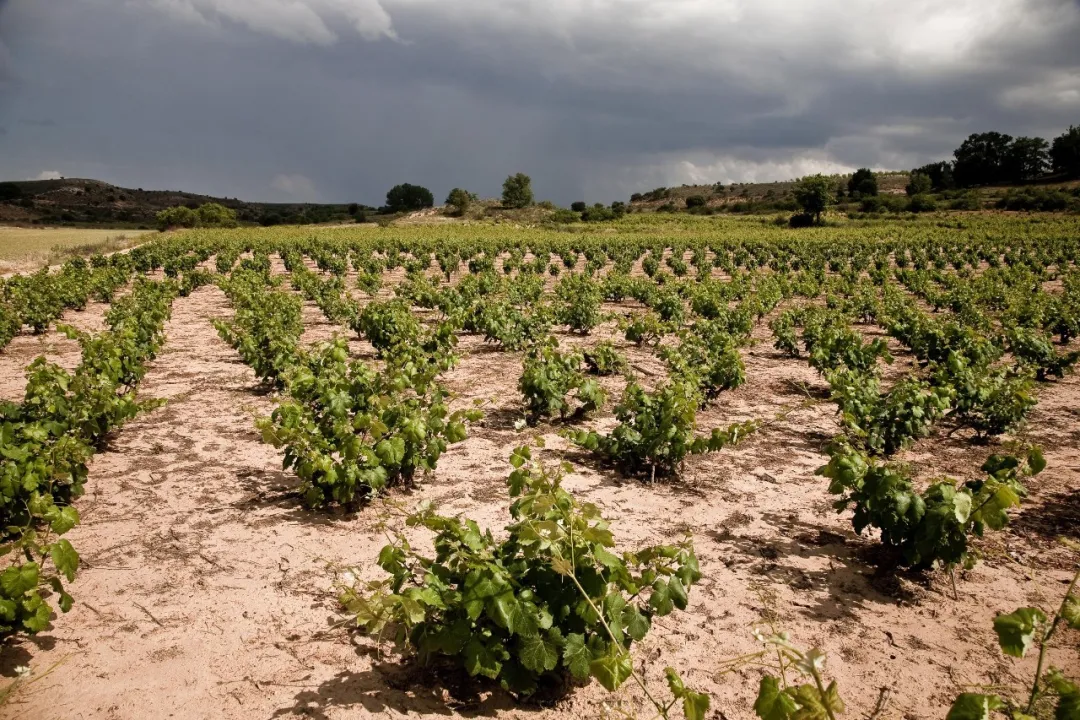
x: 54, y: 345
x: 205, y: 591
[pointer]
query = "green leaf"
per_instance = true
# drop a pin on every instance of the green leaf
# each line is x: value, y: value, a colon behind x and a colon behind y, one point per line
x: 520, y: 618
x: 450, y: 639
x: 815, y: 705
x: 660, y: 600
x: 1036, y: 461
x: 1016, y: 631
x: 64, y: 558
x: 605, y: 558
x: 772, y: 703
x: 8, y: 608
x: 973, y: 706
x: 38, y: 615
x: 635, y: 622
x: 538, y: 654
x: 678, y: 593
x: 520, y: 456
x: 577, y: 656
x: 695, y: 704
x: 612, y: 669
x: 391, y: 451
x: 675, y: 683
x: 18, y: 580
x: 1070, y: 611
x: 1068, y: 707
x: 456, y: 432
x: 67, y: 518
x: 480, y: 660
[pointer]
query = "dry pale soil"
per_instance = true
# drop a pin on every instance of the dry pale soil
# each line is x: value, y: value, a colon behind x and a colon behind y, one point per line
x: 206, y: 590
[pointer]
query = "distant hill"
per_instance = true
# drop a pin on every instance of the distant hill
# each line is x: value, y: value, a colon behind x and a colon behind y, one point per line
x: 728, y: 196
x: 92, y: 203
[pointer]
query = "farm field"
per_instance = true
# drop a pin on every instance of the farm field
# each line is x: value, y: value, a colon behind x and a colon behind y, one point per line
x: 868, y: 433
x: 24, y: 249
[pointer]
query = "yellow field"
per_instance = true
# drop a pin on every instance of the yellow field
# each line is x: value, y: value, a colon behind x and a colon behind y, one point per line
x: 24, y: 249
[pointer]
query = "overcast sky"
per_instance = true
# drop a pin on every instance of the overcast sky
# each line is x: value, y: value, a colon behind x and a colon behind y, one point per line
x: 337, y: 100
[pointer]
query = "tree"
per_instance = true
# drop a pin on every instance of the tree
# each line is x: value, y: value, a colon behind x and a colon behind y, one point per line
x: 216, y: 215
x: 813, y: 195
x: 940, y: 174
x: 9, y: 191
x: 863, y: 183
x: 460, y: 199
x: 579, y: 206
x: 407, y: 198
x: 1065, y: 152
x: 177, y: 217
x: 517, y: 191
x: 982, y: 159
x: 695, y: 201
x: 1028, y: 159
x: 918, y: 184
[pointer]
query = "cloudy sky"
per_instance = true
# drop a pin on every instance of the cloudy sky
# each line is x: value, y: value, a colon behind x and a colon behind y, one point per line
x: 337, y: 100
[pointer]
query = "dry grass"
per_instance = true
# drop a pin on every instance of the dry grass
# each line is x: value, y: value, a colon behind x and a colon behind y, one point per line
x: 23, y: 249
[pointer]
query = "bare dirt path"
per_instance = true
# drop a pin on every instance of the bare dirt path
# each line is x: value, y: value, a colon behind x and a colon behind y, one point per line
x: 205, y: 590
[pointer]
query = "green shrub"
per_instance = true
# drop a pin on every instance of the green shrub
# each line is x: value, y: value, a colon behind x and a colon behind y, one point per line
x: 550, y: 601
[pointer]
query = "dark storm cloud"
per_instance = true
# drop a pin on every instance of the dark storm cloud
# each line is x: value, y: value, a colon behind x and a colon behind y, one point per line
x: 339, y: 99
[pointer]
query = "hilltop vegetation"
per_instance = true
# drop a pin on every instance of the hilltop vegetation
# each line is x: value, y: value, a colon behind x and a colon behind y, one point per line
x: 78, y: 202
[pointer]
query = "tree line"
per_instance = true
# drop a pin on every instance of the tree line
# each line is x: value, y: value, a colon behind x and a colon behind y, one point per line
x: 994, y: 158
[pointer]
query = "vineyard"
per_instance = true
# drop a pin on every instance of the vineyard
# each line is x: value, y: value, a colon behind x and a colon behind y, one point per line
x: 671, y: 466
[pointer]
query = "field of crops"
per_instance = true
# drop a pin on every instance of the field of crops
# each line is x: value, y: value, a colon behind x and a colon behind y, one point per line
x: 668, y: 466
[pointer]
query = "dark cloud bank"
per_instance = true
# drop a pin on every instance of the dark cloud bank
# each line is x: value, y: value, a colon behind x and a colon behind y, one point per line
x: 336, y: 100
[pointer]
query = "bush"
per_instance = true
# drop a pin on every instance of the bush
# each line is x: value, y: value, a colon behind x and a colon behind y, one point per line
x: 813, y: 195
x: 966, y: 201
x: 408, y: 198
x: 177, y: 217
x: 922, y: 203
x: 517, y: 191
x: 863, y: 183
x: 579, y: 302
x: 1065, y: 152
x: 604, y: 360
x: 579, y: 206
x: 549, y: 376
x: 557, y: 602
x: 695, y: 201
x: 801, y: 220
x: 1038, y: 199
x: 9, y: 191
x: 656, y: 431
x: 216, y: 215
x: 598, y: 213
x: 918, y: 184
x: 562, y: 215
x: 460, y: 199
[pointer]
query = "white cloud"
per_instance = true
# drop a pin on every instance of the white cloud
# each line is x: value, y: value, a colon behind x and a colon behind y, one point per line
x: 298, y: 188
x: 48, y: 175
x: 300, y: 21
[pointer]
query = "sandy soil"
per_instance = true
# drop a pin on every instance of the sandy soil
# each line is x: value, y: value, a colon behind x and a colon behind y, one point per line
x: 205, y: 590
